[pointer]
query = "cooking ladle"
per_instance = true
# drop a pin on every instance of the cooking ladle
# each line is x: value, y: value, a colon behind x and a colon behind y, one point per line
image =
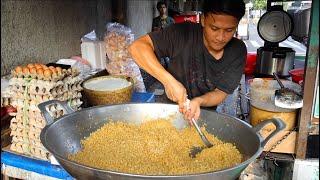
x: 196, y: 150
x: 287, y: 98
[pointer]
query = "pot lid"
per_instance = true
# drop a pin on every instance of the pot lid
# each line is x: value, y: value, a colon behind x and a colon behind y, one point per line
x: 275, y: 26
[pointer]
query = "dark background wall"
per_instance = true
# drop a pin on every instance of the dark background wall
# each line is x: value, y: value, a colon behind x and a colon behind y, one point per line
x: 43, y: 30
x: 139, y: 16
x: 47, y: 30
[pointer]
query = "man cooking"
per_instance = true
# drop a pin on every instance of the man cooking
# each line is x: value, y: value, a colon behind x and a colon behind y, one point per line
x: 206, y: 60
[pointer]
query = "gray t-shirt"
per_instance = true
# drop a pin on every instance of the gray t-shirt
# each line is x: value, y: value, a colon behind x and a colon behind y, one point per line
x: 193, y: 65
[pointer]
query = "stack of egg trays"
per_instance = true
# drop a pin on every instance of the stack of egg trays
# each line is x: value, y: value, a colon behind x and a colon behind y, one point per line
x: 26, y: 93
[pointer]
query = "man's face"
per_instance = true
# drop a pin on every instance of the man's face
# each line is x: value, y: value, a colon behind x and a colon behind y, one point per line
x: 218, y: 30
x: 162, y: 9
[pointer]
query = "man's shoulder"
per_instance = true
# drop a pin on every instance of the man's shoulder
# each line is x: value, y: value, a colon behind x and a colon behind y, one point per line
x: 236, y: 50
x: 235, y: 42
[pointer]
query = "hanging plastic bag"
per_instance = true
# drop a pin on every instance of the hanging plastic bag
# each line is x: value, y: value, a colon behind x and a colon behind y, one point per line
x: 117, y: 39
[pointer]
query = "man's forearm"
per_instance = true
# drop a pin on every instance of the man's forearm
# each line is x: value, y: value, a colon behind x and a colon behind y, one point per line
x: 142, y: 51
x: 212, y: 98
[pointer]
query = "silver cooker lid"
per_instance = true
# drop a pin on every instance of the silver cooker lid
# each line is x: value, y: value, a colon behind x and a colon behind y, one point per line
x: 275, y: 26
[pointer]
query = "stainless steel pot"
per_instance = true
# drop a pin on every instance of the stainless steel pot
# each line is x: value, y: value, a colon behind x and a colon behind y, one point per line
x: 275, y: 59
x: 62, y: 137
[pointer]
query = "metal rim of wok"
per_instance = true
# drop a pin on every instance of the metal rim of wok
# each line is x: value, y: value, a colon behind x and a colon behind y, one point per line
x: 225, y: 170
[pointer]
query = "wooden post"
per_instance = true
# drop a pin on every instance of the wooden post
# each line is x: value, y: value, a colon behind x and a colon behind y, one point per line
x: 311, y: 64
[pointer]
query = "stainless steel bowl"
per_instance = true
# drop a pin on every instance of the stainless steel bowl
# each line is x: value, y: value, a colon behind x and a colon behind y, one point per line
x: 62, y: 137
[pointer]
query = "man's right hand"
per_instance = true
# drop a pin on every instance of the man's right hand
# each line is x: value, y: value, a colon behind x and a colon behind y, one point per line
x: 148, y: 61
x: 176, y: 92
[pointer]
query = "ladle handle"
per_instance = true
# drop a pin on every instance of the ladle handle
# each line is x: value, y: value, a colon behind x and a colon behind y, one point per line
x: 280, y: 125
x: 203, y: 137
x: 277, y: 78
x: 43, y: 108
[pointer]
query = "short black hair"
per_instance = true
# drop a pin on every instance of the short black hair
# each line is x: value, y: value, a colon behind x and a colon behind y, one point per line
x: 160, y: 3
x: 235, y: 8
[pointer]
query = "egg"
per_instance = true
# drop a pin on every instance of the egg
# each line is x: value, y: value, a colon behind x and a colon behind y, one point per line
x: 25, y: 70
x: 53, y: 70
x: 54, y: 75
x: 18, y: 69
x: 30, y: 66
x: 44, y: 66
x: 47, y: 73
x: 37, y: 66
x: 33, y: 70
x: 40, y: 72
x: 59, y: 70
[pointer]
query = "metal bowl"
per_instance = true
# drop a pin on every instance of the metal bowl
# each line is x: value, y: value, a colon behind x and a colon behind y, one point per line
x: 63, y: 136
x: 105, y: 90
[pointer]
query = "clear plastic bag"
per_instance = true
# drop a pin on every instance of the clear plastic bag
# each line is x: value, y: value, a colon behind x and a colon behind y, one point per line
x: 117, y: 38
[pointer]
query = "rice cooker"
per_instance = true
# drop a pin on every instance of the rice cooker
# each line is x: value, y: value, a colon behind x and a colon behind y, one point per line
x: 274, y: 27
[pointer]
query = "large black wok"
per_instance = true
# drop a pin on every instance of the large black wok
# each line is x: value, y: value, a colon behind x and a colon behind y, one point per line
x: 62, y: 137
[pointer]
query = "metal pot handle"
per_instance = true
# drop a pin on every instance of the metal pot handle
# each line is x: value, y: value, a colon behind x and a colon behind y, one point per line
x: 42, y: 106
x: 280, y: 125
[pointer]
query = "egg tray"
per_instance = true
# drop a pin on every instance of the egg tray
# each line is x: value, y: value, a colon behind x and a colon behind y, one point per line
x: 31, y: 122
x: 33, y: 139
x: 33, y: 84
x: 47, y: 73
x: 26, y: 140
x: 28, y: 143
x: 42, y: 83
x: 27, y: 134
x: 34, y: 100
x: 20, y: 131
x: 35, y: 118
x: 31, y: 136
x: 6, y: 101
x: 36, y: 143
x: 72, y: 80
x: 34, y: 149
x: 44, y: 87
x: 27, y: 125
x: 52, y: 77
x: 33, y: 113
x: 19, y: 105
x: 20, y: 147
x: 65, y: 95
x: 25, y: 148
x: 20, y: 112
